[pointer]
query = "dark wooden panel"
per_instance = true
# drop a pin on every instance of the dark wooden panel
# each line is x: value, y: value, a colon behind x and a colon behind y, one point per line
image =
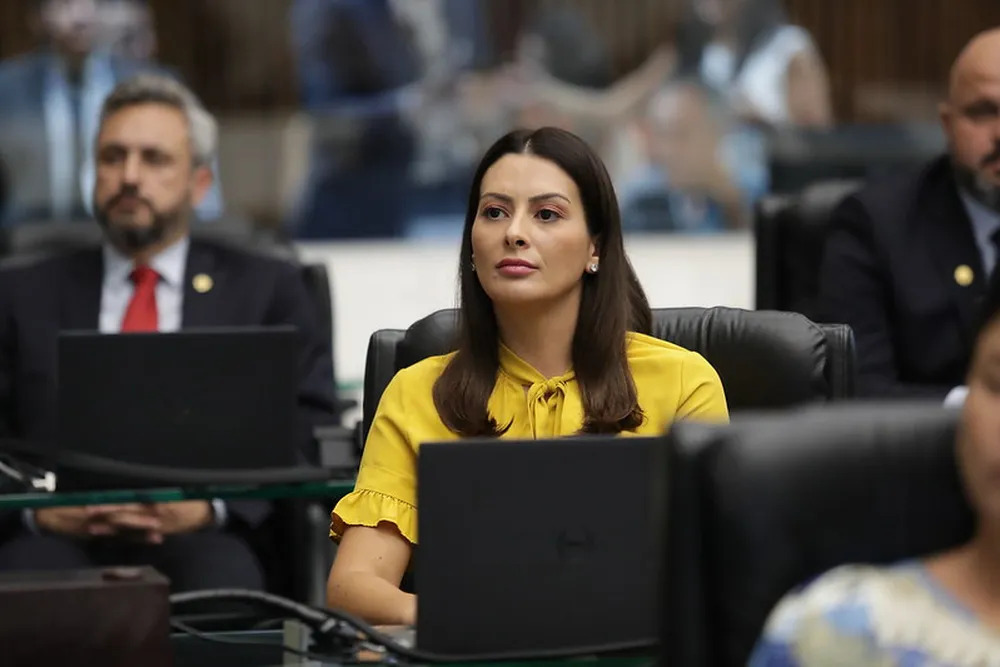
x: 236, y: 54
x: 17, y: 33
x: 907, y: 43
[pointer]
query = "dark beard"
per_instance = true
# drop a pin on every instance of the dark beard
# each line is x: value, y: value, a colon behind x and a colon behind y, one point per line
x: 129, y: 239
x: 974, y: 185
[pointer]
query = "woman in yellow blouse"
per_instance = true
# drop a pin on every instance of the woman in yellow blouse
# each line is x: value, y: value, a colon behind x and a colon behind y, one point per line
x: 549, y: 345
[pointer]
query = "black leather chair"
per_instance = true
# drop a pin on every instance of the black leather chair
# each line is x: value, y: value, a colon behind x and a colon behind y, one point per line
x: 760, y: 506
x: 29, y: 241
x: 765, y: 359
x: 790, y: 231
x: 799, y: 157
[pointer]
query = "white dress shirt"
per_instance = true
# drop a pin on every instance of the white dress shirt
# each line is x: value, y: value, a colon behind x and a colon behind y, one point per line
x: 96, y: 81
x: 985, y: 223
x: 117, y: 288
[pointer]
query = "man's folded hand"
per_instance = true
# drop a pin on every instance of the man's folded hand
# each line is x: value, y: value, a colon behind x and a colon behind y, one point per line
x: 146, y: 522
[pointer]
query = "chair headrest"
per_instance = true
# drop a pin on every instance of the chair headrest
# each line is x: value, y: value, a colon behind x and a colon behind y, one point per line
x: 42, y: 239
x: 791, y: 233
x: 739, y: 344
x: 765, y: 359
x: 789, y: 497
x: 816, y: 203
x: 428, y: 337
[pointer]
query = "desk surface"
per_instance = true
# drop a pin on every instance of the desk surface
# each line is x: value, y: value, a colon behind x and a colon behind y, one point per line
x: 330, y: 490
x: 264, y: 649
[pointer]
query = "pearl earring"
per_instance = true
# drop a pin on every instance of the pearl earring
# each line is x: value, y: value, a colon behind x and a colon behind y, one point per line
x: 472, y: 262
x: 593, y: 268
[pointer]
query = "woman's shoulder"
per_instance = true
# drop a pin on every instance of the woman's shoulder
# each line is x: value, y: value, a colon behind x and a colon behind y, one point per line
x: 838, y: 606
x: 415, y: 382
x: 852, y: 585
x: 425, y: 371
x: 870, y: 614
x: 648, y: 351
x: 789, y: 39
x: 855, y: 601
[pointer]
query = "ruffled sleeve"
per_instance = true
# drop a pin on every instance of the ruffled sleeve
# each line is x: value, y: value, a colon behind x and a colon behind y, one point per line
x: 386, y: 489
x: 370, y: 508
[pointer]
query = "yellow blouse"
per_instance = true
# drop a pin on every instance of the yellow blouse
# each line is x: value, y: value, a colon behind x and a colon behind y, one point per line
x: 671, y: 382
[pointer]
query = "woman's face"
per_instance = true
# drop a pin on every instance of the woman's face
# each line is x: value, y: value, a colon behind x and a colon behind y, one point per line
x: 530, y: 240
x: 718, y: 12
x: 979, y: 435
x: 72, y: 25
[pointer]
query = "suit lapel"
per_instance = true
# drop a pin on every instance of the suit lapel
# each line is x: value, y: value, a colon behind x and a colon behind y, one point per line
x: 204, y: 285
x: 953, y: 247
x: 80, y: 304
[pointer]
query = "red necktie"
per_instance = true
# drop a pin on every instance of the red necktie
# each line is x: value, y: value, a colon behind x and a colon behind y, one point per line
x: 141, y: 313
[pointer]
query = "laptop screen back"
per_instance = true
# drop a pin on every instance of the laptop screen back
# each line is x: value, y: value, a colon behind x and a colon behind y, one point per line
x: 535, y: 545
x: 207, y: 399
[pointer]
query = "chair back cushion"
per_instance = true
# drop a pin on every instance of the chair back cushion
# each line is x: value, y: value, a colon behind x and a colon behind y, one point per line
x: 765, y: 359
x: 32, y: 241
x: 770, y: 502
x: 790, y: 234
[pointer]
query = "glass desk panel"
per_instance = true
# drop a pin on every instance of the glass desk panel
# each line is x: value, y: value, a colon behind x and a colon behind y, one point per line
x: 328, y: 490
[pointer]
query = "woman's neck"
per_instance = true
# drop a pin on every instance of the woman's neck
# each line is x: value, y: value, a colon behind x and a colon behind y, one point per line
x: 971, y: 573
x: 983, y: 554
x: 726, y: 35
x: 541, y: 336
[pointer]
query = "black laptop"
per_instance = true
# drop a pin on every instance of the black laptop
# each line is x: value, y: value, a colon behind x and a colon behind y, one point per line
x: 535, y: 546
x: 211, y: 399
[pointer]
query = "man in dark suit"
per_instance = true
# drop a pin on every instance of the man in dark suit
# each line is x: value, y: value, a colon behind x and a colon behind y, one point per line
x: 49, y: 104
x: 908, y: 260
x: 153, y: 153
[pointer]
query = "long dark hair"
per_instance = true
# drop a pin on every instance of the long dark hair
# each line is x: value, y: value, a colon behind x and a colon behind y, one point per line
x: 757, y: 22
x: 612, y: 302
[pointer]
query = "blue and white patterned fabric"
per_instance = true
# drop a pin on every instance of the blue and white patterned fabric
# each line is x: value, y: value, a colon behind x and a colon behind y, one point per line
x: 864, y: 616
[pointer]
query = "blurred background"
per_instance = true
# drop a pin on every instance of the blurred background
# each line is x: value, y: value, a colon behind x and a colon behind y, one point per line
x: 352, y: 126
x: 363, y: 118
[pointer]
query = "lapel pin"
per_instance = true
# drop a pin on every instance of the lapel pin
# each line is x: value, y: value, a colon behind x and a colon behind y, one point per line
x: 963, y: 275
x: 203, y: 283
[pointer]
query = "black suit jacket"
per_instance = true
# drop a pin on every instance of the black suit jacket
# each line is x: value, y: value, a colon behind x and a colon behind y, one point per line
x: 64, y: 292
x: 889, y: 271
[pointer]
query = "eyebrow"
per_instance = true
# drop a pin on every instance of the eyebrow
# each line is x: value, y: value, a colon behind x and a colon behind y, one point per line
x: 980, y: 104
x: 124, y: 146
x: 509, y: 199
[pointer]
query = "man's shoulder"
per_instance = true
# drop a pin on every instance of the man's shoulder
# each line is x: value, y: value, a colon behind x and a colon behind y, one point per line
x: 23, y: 64
x: 28, y: 268
x: 896, y: 196
x: 19, y: 73
x: 36, y: 278
x: 244, y: 258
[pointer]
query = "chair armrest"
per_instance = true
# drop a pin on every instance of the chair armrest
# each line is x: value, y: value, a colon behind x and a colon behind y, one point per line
x: 338, y: 446
x: 318, y: 553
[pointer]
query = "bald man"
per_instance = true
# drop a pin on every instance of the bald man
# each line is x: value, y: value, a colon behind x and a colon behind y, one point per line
x: 908, y: 259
